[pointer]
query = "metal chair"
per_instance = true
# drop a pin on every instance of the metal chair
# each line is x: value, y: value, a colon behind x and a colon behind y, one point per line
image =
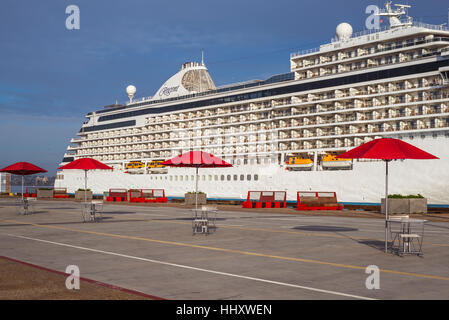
x: 395, y: 228
x: 25, y: 206
x: 211, y: 214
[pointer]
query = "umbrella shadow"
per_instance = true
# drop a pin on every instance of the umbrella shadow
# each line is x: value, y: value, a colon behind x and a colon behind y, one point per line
x: 118, y: 212
x: 325, y: 228
x: 378, y: 245
x: 375, y: 244
x: 102, y: 220
x: 372, y: 243
x: 190, y: 219
x: 62, y: 208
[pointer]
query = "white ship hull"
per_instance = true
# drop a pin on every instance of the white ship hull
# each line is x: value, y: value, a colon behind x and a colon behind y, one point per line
x: 365, y: 183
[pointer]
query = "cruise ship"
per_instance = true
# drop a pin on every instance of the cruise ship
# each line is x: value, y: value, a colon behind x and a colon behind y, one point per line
x: 284, y: 133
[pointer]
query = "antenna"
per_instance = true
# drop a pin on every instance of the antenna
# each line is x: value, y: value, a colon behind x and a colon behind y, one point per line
x: 202, y: 57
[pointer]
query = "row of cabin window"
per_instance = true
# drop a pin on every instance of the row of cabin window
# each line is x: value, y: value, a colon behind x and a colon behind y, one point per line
x: 222, y: 177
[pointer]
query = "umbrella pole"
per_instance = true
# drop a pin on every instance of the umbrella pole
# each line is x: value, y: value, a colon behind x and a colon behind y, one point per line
x: 386, y: 206
x: 22, y: 188
x: 196, y: 189
x: 85, y: 185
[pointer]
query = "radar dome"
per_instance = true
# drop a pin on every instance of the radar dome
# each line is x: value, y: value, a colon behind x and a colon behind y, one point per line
x: 344, y: 31
x: 130, y: 90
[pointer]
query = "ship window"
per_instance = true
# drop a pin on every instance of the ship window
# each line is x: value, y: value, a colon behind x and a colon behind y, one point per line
x: 256, y: 177
x: 229, y: 177
x: 171, y: 178
x: 192, y: 178
x: 248, y: 177
x: 222, y: 177
x: 242, y: 177
x: 266, y: 161
x: 245, y: 161
x: 181, y: 178
x: 176, y: 178
x: 235, y: 177
x: 204, y: 178
x: 210, y: 177
x: 216, y: 178
x: 187, y: 178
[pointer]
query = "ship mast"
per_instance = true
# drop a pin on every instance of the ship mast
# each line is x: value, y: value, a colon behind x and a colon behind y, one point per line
x: 394, y: 16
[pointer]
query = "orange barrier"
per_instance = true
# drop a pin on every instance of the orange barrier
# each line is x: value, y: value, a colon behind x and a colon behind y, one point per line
x: 147, y: 195
x: 266, y: 199
x: 311, y: 200
x: 117, y: 195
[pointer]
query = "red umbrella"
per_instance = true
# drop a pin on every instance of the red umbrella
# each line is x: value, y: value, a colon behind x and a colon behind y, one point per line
x: 387, y: 149
x: 23, y: 169
x: 85, y: 164
x: 196, y: 159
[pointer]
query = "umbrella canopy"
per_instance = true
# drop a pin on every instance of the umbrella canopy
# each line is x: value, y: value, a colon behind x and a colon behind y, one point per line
x: 86, y: 164
x: 195, y: 159
x: 23, y: 169
x: 387, y: 149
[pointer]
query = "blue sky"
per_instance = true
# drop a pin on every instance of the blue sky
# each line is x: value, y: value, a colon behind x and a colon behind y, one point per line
x: 50, y: 77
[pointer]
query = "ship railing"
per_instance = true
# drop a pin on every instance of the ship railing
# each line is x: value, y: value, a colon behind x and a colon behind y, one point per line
x: 388, y: 48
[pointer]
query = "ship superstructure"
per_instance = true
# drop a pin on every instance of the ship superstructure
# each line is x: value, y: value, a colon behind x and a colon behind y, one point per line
x: 283, y: 133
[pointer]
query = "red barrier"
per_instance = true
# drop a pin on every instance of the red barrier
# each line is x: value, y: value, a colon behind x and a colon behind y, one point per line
x: 266, y: 199
x: 31, y: 193
x: 311, y: 200
x: 60, y: 193
x: 147, y: 195
x: 117, y: 195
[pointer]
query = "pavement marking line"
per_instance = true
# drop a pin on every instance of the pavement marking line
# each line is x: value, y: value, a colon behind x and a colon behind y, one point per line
x: 241, y: 227
x: 419, y: 275
x: 194, y: 268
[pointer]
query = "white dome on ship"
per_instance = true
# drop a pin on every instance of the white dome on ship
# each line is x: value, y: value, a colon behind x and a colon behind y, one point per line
x: 130, y: 90
x: 344, y: 31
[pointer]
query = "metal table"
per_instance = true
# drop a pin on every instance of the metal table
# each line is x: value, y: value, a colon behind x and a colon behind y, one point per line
x: 92, y: 211
x: 25, y: 206
x: 407, y: 235
x: 203, y: 220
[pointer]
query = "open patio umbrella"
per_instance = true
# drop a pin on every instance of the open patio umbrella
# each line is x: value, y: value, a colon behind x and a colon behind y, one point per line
x: 23, y: 169
x: 196, y: 159
x: 387, y: 149
x: 85, y: 164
